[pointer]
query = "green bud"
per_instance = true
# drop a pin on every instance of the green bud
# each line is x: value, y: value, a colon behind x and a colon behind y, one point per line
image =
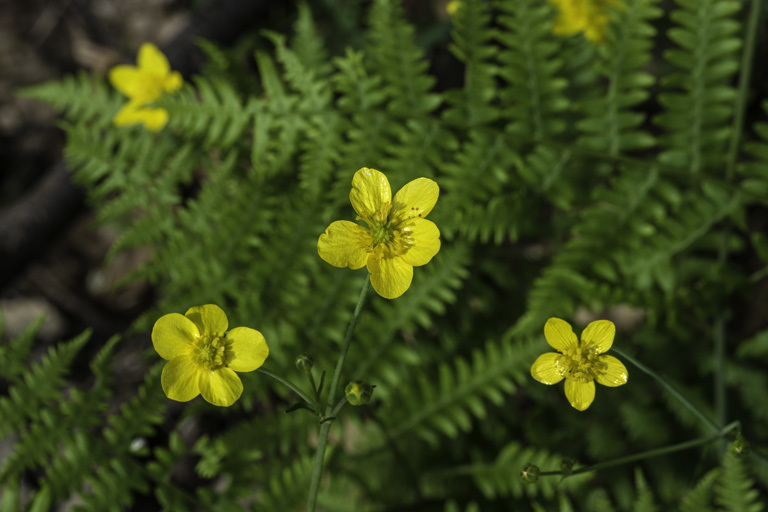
x: 304, y: 363
x: 358, y: 392
x: 530, y: 473
x: 740, y: 447
x: 566, y: 465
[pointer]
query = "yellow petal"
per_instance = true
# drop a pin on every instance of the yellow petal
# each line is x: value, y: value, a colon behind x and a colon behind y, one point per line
x: 154, y: 119
x: 209, y: 319
x: 612, y: 372
x: 424, y: 238
x: 249, y: 347
x: 133, y: 112
x: 181, y: 379
x: 599, y: 333
x: 580, y: 393
x: 415, y: 199
x: 173, y: 335
x: 559, y: 335
x: 152, y: 60
x: 370, y: 193
x: 345, y: 244
x: 173, y: 81
x: 390, y: 277
x: 126, y: 79
x: 222, y: 387
x: 546, y: 368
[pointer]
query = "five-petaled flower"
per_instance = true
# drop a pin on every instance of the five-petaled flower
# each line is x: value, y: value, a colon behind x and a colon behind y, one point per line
x: 580, y: 363
x: 397, y: 238
x: 588, y: 16
x: 203, y: 356
x: 144, y: 84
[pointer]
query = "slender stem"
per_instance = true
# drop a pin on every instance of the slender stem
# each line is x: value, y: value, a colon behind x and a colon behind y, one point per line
x: 744, y: 78
x: 314, y: 391
x: 666, y: 385
x: 648, y: 454
x: 720, y: 404
x: 338, y: 407
x: 325, y: 427
x: 290, y: 385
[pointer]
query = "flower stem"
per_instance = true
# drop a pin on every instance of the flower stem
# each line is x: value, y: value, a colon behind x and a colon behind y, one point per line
x: 325, y: 427
x: 650, y: 453
x: 666, y: 385
x: 290, y: 385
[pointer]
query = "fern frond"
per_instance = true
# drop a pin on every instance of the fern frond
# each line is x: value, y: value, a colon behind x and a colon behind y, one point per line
x: 446, y: 403
x: 755, y: 173
x: 472, y: 105
x: 41, y: 385
x: 735, y: 490
x: 610, y: 124
x: 83, y: 99
x: 212, y: 112
x: 531, y: 65
x: 14, y: 354
x: 699, y: 499
x: 502, y: 476
x: 644, y: 501
x: 699, y: 99
x: 399, y: 62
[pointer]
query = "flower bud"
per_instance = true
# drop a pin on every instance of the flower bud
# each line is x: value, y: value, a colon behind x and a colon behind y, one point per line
x: 566, y: 465
x: 740, y: 447
x: 304, y: 363
x: 358, y: 392
x: 530, y: 473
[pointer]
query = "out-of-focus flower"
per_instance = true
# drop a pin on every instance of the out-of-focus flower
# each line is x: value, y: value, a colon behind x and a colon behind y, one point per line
x: 144, y: 84
x: 397, y: 238
x: 587, y: 16
x: 203, y: 357
x: 580, y: 363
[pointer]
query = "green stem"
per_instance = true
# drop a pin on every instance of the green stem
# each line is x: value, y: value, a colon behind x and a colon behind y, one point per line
x: 338, y: 407
x: 649, y: 454
x: 290, y: 385
x: 666, y: 385
x: 325, y: 427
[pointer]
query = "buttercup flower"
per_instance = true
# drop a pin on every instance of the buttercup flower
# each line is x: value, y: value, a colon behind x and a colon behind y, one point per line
x: 397, y: 238
x: 588, y: 16
x: 580, y: 363
x: 144, y: 84
x: 203, y: 357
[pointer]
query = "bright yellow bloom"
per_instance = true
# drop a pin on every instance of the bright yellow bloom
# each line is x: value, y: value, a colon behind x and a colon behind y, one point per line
x: 144, y: 84
x: 580, y: 363
x: 453, y: 7
x: 203, y: 357
x: 588, y: 16
x: 397, y: 238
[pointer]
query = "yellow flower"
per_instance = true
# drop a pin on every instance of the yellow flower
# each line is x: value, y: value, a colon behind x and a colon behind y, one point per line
x: 397, y: 238
x: 144, y: 84
x: 588, y: 16
x: 452, y: 7
x: 580, y: 363
x: 203, y: 357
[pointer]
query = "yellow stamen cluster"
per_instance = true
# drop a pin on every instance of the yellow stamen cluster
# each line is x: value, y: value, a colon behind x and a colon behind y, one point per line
x: 581, y: 362
x: 212, y: 352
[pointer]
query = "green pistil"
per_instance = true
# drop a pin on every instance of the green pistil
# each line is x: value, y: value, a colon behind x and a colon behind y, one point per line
x: 213, y: 352
x: 382, y: 233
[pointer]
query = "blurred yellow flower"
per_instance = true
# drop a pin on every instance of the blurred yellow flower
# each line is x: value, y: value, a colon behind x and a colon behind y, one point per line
x: 452, y: 7
x: 144, y: 84
x: 203, y: 357
x: 397, y: 238
x: 580, y: 363
x: 588, y: 16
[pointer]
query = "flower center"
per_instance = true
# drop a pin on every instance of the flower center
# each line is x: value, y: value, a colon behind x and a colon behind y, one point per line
x: 581, y: 362
x: 212, y: 352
